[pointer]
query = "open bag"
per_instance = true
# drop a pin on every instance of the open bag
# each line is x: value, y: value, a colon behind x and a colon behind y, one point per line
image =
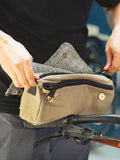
x: 59, y: 94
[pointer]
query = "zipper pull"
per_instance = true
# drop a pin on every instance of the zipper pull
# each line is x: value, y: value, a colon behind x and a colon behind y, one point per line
x: 50, y: 95
x: 105, y: 73
x: 52, y: 88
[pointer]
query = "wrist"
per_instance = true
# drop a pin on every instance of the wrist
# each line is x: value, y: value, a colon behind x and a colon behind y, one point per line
x: 117, y: 15
x: 116, y: 29
x: 117, y: 26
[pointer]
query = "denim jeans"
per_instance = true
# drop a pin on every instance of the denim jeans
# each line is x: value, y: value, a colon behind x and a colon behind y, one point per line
x: 16, y: 143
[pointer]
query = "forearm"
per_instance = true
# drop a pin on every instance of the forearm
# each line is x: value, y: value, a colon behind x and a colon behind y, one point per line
x: 113, y: 16
x: 16, y: 61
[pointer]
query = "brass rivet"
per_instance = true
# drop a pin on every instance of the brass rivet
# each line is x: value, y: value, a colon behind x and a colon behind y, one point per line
x: 64, y: 55
x: 101, y: 96
x: 50, y: 99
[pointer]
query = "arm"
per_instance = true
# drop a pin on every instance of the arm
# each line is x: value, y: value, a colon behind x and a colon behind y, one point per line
x: 16, y: 61
x: 112, y: 48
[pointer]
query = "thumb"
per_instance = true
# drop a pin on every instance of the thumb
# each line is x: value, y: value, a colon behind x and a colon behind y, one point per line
x: 109, y: 60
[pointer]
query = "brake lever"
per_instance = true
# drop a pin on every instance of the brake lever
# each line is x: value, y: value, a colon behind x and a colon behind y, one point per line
x: 71, y: 129
x: 81, y: 135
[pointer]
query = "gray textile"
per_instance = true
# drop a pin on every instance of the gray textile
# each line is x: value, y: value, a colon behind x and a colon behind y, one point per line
x: 68, y: 59
x: 65, y: 59
x: 16, y: 143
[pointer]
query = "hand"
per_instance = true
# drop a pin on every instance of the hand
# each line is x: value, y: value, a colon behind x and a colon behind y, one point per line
x: 113, y: 51
x: 16, y: 61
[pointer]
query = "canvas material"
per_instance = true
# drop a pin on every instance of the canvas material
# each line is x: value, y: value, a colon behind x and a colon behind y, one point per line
x: 80, y: 99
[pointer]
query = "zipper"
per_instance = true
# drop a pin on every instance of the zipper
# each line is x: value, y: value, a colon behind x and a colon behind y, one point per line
x: 54, y: 73
x: 105, y: 73
x: 52, y: 87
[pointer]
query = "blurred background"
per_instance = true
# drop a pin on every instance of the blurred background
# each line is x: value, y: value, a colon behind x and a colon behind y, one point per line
x: 99, y: 32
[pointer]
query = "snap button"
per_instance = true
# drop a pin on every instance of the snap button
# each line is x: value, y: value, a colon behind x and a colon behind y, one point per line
x: 101, y: 96
x: 64, y: 55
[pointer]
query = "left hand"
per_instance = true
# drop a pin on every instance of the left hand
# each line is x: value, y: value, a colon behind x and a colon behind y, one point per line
x: 112, y: 51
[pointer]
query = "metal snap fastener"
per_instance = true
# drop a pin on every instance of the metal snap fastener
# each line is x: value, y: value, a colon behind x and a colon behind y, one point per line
x: 64, y: 55
x: 101, y: 96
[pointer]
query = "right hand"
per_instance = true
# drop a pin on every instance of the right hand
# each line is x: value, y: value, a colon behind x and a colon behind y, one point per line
x: 16, y: 61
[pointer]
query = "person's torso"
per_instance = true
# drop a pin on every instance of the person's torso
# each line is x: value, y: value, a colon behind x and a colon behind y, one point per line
x: 40, y: 23
x: 41, y: 26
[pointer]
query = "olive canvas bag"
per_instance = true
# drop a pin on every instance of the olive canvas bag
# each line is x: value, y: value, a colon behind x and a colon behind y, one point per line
x: 58, y: 95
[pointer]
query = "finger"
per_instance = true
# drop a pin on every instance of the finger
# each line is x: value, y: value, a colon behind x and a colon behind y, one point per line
x: 15, y: 79
x: 109, y: 59
x: 36, y: 77
x: 10, y: 71
x: 111, y: 70
x: 30, y: 74
x: 111, y: 73
x: 22, y: 78
x: 115, y: 64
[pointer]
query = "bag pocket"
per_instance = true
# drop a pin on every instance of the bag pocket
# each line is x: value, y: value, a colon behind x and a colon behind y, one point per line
x: 30, y: 105
x: 52, y: 87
